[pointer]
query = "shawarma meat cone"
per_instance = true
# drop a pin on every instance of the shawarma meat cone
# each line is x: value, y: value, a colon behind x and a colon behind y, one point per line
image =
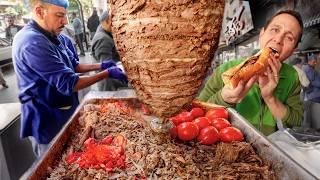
x: 166, y: 48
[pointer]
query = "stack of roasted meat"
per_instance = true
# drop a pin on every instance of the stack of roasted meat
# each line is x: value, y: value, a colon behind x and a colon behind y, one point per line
x: 148, y: 155
x: 166, y: 48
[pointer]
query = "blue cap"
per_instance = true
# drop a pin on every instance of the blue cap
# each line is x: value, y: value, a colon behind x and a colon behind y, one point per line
x: 104, y: 15
x: 311, y: 57
x: 61, y: 3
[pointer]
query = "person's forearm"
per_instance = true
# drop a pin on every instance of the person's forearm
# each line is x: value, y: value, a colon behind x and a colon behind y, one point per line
x: 276, y: 107
x: 85, y: 81
x: 83, y: 68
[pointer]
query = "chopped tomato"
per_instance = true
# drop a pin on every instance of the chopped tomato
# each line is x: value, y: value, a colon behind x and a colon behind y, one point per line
x: 230, y: 134
x: 217, y: 113
x: 100, y: 154
x: 103, y: 108
x: 220, y: 123
x: 187, y: 131
x: 73, y: 157
x: 197, y: 112
x: 89, y: 142
x: 201, y: 122
x: 208, y: 135
x: 107, y: 140
x: 145, y: 109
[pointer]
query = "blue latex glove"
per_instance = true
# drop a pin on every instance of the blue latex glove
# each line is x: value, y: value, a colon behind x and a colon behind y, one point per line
x: 107, y: 64
x: 117, y: 73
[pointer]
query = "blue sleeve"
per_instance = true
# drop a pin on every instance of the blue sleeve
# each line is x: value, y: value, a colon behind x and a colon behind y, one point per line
x: 313, y: 76
x: 74, y: 55
x: 49, y: 66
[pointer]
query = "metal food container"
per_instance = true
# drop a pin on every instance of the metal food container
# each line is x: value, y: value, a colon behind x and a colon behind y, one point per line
x: 284, y: 166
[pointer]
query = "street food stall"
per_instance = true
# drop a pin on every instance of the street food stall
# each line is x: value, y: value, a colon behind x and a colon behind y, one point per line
x: 128, y: 134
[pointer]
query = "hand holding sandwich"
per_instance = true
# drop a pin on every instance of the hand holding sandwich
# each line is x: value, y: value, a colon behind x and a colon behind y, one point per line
x: 239, y: 79
x: 269, y: 79
x: 268, y: 83
x: 233, y: 96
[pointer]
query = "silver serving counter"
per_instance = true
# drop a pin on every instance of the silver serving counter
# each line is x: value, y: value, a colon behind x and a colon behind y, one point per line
x: 305, y: 154
x: 286, y: 167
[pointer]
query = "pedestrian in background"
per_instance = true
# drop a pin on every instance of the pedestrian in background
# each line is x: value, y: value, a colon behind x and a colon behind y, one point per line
x: 104, y: 49
x: 12, y: 29
x: 78, y: 31
x: 93, y: 23
x: 2, y: 80
x: 312, y: 94
x: 297, y: 65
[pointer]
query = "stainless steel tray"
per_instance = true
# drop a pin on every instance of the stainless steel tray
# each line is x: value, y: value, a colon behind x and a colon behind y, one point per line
x: 284, y: 166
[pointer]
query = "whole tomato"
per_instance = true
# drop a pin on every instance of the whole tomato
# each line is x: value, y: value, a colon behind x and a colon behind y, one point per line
x: 201, y: 122
x: 208, y: 135
x: 175, y: 120
x: 197, y: 112
x: 230, y: 134
x: 217, y: 113
x: 185, y: 117
x: 220, y: 123
x: 187, y: 131
x: 174, y: 132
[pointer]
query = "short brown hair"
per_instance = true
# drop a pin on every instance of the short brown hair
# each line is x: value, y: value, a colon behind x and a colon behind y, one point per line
x: 294, y: 14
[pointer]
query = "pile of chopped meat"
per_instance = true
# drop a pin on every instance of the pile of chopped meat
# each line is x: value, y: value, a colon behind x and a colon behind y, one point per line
x: 150, y: 155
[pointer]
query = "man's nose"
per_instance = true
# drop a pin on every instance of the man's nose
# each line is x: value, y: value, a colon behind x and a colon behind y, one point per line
x: 64, y: 21
x: 278, y: 38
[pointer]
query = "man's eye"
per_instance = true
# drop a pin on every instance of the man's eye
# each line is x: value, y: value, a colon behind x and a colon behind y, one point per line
x: 274, y: 30
x: 289, y: 38
x: 60, y: 15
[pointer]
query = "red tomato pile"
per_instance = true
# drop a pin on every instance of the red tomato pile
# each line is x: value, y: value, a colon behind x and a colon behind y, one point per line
x: 106, y: 154
x: 207, y: 127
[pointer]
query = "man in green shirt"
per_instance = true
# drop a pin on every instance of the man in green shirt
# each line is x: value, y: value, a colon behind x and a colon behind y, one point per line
x: 272, y: 95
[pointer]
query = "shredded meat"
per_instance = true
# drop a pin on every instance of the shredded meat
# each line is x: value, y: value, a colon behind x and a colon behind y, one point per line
x: 158, y: 156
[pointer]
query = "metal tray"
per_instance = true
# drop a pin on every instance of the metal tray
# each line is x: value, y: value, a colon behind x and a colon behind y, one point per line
x: 284, y: 166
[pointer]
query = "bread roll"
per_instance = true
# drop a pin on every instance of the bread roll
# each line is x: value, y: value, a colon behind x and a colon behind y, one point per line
x: 254, y: 65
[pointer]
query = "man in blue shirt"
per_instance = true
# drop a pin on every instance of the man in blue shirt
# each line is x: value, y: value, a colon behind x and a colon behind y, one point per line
x: 312, y: 92
x: 47, y: 68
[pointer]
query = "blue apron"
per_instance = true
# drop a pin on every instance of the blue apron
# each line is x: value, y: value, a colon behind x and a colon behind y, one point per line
x: 45, y: 68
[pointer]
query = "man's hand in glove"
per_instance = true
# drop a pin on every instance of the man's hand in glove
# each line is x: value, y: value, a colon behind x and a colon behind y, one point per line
x: 116, y: 73
x: 107, y: 64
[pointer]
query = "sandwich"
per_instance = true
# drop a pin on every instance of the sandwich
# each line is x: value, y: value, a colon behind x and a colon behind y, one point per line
x: 254, y: 65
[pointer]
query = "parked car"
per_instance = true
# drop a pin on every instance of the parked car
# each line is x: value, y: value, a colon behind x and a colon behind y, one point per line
x: 5, y: 52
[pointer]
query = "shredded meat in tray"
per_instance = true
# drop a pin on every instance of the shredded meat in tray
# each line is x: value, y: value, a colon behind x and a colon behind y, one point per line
x: 155, y: 156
